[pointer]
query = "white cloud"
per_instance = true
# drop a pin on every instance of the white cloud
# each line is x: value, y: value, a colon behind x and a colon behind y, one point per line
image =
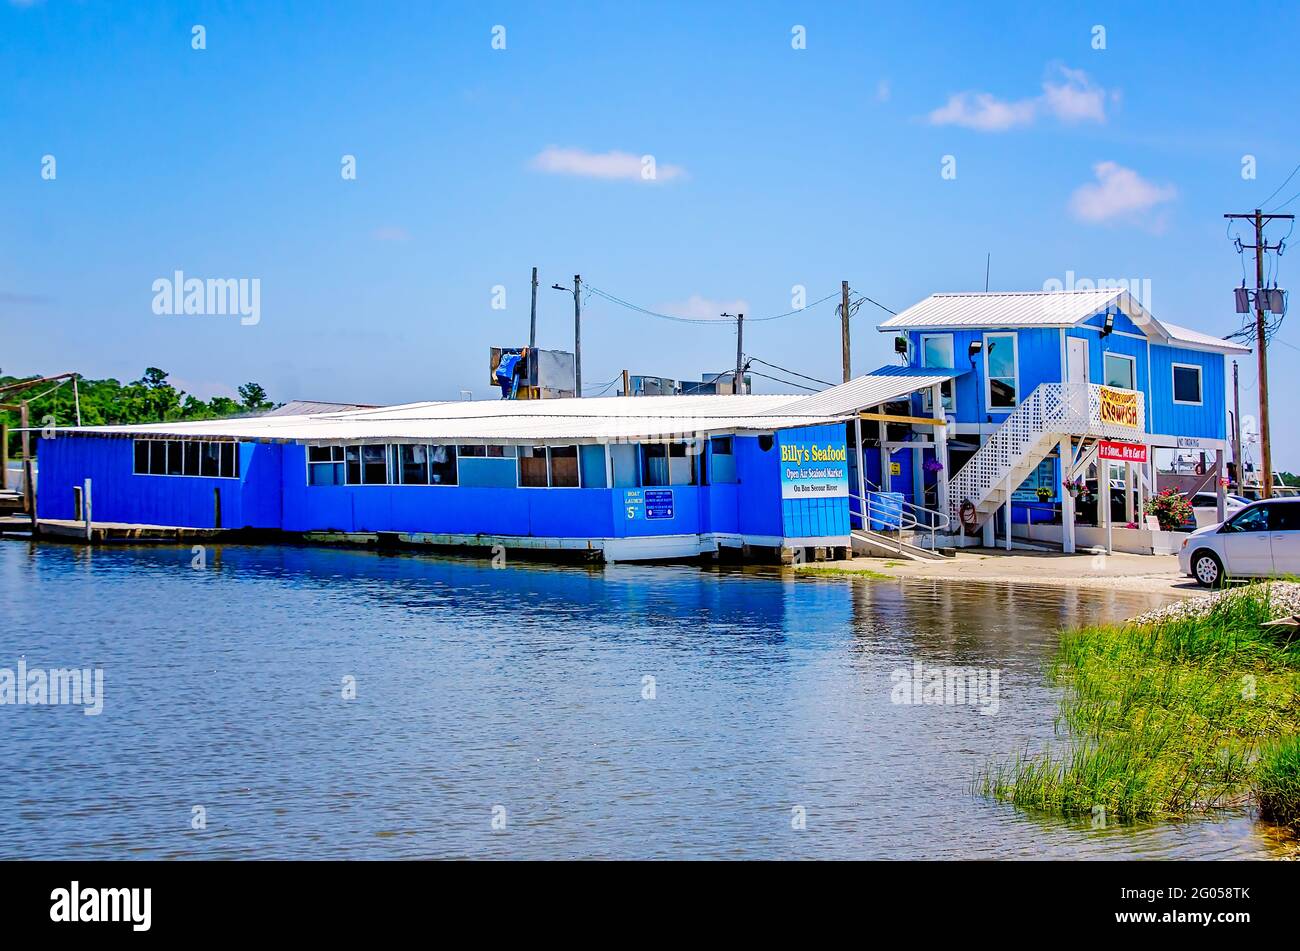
x: 1118, y: 194
x: 704, y: 308
x: 984, y: 112
x: 612, y: 166
x: 1068, y: 95
x: 1074, y: 97
x: 390, y: 233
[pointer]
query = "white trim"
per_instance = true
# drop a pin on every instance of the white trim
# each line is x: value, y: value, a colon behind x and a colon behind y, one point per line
x: 1200, y: 383
x: 1119, y: 356
x: 1015, y: 356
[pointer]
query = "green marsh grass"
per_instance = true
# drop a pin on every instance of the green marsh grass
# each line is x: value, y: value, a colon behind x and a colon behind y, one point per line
x: 1166, y: 719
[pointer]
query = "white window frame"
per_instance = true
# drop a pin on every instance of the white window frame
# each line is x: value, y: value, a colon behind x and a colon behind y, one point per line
x: 307, y: 464
x: 1110, y: 354
x: 1200, y: 383
x: 182, y: 475
x: 519, y: 468
x: 952, y: 383
x: 1015, y: 355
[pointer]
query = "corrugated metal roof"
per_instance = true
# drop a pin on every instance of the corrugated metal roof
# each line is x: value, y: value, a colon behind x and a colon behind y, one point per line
x: 995, y: 309
x: 313, y: 407
x: 524, y: 421
x: 1179, y: 334
x: 878, y: 386
x: 990, y: 309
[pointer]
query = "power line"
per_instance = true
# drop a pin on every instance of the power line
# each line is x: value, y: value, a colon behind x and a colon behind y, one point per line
x: 785, y: 382
x: 1280, y: 187
x: 803, y: 376
x: 698, y: 320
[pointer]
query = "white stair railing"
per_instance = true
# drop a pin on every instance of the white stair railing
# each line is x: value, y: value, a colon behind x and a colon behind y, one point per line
x: 1050, y: 412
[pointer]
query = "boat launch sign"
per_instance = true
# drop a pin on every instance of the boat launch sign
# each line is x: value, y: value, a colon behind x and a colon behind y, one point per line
x: 814, y: 470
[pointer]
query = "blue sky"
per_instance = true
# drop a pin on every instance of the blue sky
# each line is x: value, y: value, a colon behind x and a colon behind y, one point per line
x: 776, y: 167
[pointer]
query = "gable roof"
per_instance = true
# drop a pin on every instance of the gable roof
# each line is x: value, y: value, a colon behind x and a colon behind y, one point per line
x: 997, y: 309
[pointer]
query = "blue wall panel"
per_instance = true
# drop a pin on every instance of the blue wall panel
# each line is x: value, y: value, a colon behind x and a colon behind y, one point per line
x: 1207, y: 421
x: 814, y: 517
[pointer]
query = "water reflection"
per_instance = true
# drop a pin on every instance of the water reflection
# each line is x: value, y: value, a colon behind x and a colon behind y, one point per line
x: 525, y: 688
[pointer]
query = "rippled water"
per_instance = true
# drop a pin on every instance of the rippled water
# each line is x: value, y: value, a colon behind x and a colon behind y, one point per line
x: 523, y: 689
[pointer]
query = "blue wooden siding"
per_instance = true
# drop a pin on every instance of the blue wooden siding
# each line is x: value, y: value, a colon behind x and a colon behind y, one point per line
x: 119, y: 495
x: 272, y: 492
x: 1038, y: 360
x: 1207, y: 421
x: 814, y: 518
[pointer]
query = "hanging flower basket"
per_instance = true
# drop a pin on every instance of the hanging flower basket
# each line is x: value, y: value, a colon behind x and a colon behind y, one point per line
x: 932, y: 465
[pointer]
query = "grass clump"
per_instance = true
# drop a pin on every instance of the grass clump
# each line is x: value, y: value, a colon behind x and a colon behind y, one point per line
x: 1277, y: 783
x: 1167, y: 717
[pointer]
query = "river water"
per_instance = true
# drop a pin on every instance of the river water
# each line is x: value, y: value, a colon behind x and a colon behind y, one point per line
x: 532, y: 711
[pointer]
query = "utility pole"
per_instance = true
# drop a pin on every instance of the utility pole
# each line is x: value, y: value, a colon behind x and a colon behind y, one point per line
x: 577, y: 334
x: 738, y: 386
x: 1236, y: 427
x: 1260, y: 247
x: 844, y: 331
x: 532, y: 324
x: 576, y: 291
x: 627, y: 390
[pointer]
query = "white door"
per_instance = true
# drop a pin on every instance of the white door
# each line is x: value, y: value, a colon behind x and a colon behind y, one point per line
x: 1076, y: 362
x: 1248, y: 544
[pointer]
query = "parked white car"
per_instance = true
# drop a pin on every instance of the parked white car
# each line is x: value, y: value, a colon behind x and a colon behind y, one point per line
x: 1205, y: 508
x: 1261, y: 540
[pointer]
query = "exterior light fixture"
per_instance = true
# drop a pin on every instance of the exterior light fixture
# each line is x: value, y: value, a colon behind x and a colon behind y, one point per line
x: 1109, y: 324
x: 974, y: 349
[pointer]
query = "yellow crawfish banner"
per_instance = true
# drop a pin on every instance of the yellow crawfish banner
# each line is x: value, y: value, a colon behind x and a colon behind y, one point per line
x: 1120, y: 407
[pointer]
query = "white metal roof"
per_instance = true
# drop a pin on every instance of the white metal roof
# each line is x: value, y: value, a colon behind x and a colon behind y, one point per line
x: 527, y: 421
x: 879, y: 386
x: 997, y: 309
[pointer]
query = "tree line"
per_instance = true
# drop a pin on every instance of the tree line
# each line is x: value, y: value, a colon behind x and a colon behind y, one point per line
x: 150, y: 399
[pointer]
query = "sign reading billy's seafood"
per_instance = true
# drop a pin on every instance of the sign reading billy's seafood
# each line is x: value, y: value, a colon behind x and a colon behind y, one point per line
x: 814, y: 470
x: 1120, y: 407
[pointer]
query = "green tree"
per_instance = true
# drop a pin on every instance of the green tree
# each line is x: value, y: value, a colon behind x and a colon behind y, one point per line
x: 253, y: 397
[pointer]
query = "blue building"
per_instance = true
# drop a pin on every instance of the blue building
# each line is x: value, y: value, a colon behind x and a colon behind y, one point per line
x: 1049, y: 388
x: 996, y: 402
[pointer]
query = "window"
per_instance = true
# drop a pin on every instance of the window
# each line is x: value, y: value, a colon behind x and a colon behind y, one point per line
x: 1001, y: 370
x: 1284, y: 517
x: 564, y: 467
x: 366, y: 465
x: 413, y: 464
x: 1187, y: 384
x: 442, y: 465
x: 1120, y: 371
x: 485, y: 452
x: 1250, y: 520
x: 325, y: 465
x: 936, y: 354
x: 722, y: 460
x: 654, y: 464
x: 186, y: 457
x: 532, y: 467
x: 472, y: 452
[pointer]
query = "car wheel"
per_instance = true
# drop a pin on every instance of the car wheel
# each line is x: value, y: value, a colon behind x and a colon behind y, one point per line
x: 1207, y: 569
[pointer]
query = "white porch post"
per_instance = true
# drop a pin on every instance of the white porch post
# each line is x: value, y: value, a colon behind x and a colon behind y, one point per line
x: 862, y: 473
x: 886, y: 482
x: 1219, y: 500
x: 918, y: 478
x: 1007, y: 485
x: 1066, y: 452
x: 1103, y: 498
x: 1130, y: 516
x: 941, y: 449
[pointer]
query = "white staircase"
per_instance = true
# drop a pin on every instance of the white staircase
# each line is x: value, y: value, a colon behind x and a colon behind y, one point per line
x: 1052, y: 412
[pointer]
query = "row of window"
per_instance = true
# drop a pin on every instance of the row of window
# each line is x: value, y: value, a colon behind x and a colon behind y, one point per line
x: 175, y: 457
x: 1001, y: 371
x: 541, y: 467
